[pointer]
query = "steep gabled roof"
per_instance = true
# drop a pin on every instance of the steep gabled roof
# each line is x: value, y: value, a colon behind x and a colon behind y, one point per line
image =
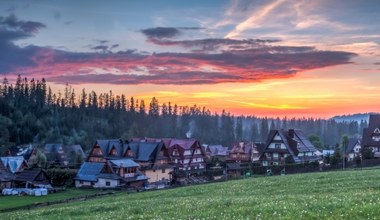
x: 305, y: 144
x: 14, y: 164
x: 369, y: 133
x: 217, y: 150
x: 23, y: 150
x: 147, y: 151
x: 106, y: 146
x: 31, y: 175
x: 294, y: 140
x: 183, y: 143
x: 89, y: 171
x: 352, y: 142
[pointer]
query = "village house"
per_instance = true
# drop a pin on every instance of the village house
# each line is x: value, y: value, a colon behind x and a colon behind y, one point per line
x: 112, y: 163
x: 14, y: 164
x: 187, y: 155
x: 241, y: 153
x: 111, y: 174
x: 153, y: 157
x: 371, y: 135
x: 59, y: 155
x: 104, y: 150
x: 216, y: 151
x: 287, y: 146
x: 14, y: 172
x: 353, y: 149
x: 150, y: 154
x: 26, y: 151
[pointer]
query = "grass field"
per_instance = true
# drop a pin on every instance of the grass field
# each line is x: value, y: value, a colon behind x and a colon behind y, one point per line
x: 7, y: 202
x: 331, y: 195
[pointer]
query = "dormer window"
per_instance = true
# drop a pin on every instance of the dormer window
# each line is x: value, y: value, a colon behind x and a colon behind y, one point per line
x: 113, y: 152
x: 129, y: 153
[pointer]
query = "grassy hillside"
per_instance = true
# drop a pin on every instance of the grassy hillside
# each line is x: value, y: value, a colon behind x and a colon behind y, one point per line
x: 332, y: 195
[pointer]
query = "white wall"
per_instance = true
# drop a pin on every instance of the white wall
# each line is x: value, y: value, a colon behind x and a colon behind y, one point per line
x: 102, y: 183
x: 78, y: 183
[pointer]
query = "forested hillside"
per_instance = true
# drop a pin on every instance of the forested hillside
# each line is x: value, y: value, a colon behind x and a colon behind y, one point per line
x: 32, y: 113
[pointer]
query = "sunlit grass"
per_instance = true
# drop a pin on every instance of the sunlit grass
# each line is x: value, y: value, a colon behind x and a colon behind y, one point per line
x: 332, y: 195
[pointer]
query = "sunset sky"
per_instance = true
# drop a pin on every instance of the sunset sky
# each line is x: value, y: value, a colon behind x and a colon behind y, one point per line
x: 271, y: 58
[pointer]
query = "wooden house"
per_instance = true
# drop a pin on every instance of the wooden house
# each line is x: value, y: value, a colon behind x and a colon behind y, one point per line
x: 241, y: 153
x: 187, y: 154
x: 14, y: 164
x: 59, y: 155
x: 217, y: 151
x: 353, y: 149
x: 104, y: 150
x: 26, y: 151
x: 150, y: 154
x: 6, y: 178
x: 287, y: 146
x: 34, y: 177
x: 112, y: 174
x: 153, y: 158
x: 371, y: 135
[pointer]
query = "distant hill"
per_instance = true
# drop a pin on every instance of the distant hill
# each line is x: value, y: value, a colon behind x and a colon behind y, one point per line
x: 355, y: 117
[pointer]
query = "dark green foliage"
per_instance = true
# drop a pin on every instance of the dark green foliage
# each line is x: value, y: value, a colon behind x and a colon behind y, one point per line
x: 61, y: 177
x: 367, y: 153
x: 289, y: 159
x: 316, y: 141
x: 31, y: 112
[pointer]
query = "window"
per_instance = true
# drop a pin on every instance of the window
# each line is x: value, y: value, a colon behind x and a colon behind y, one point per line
x: 376, y: 131
x: 275, y: 155
x: 163, y: 170
x: 108, y: 183
x: 376, y: 138
x: 277, y: 146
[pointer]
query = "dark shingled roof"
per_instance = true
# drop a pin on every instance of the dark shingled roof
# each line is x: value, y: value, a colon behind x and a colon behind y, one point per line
x: 31, y: 176
x: 369, y: 133
x: 217, y: 150
x: 351, y: 144
x: 89, y: 171
x: 23, y: 150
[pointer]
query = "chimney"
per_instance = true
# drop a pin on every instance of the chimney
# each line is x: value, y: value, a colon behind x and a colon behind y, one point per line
x: 291, y: 133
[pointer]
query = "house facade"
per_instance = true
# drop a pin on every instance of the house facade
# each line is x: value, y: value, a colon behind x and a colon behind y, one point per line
x: 353, y: 149
x: 151, y: 155
x: 59, y: 155
x: 112, y: 174
x: 371, y: 135
x: 241, y: 153
x: 284, y: 146
x: 187, y: 154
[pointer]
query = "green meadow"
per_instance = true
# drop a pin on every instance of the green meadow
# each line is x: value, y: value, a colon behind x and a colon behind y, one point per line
x: 353, y: 194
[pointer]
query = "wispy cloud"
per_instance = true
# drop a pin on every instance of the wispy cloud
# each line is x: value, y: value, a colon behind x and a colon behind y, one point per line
x: 254, y: 19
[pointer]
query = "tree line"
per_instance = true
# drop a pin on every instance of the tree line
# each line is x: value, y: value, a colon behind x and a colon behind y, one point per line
x: 32, y: 113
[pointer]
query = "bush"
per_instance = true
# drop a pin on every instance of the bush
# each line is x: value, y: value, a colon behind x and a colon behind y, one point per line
x: 61, y: 177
